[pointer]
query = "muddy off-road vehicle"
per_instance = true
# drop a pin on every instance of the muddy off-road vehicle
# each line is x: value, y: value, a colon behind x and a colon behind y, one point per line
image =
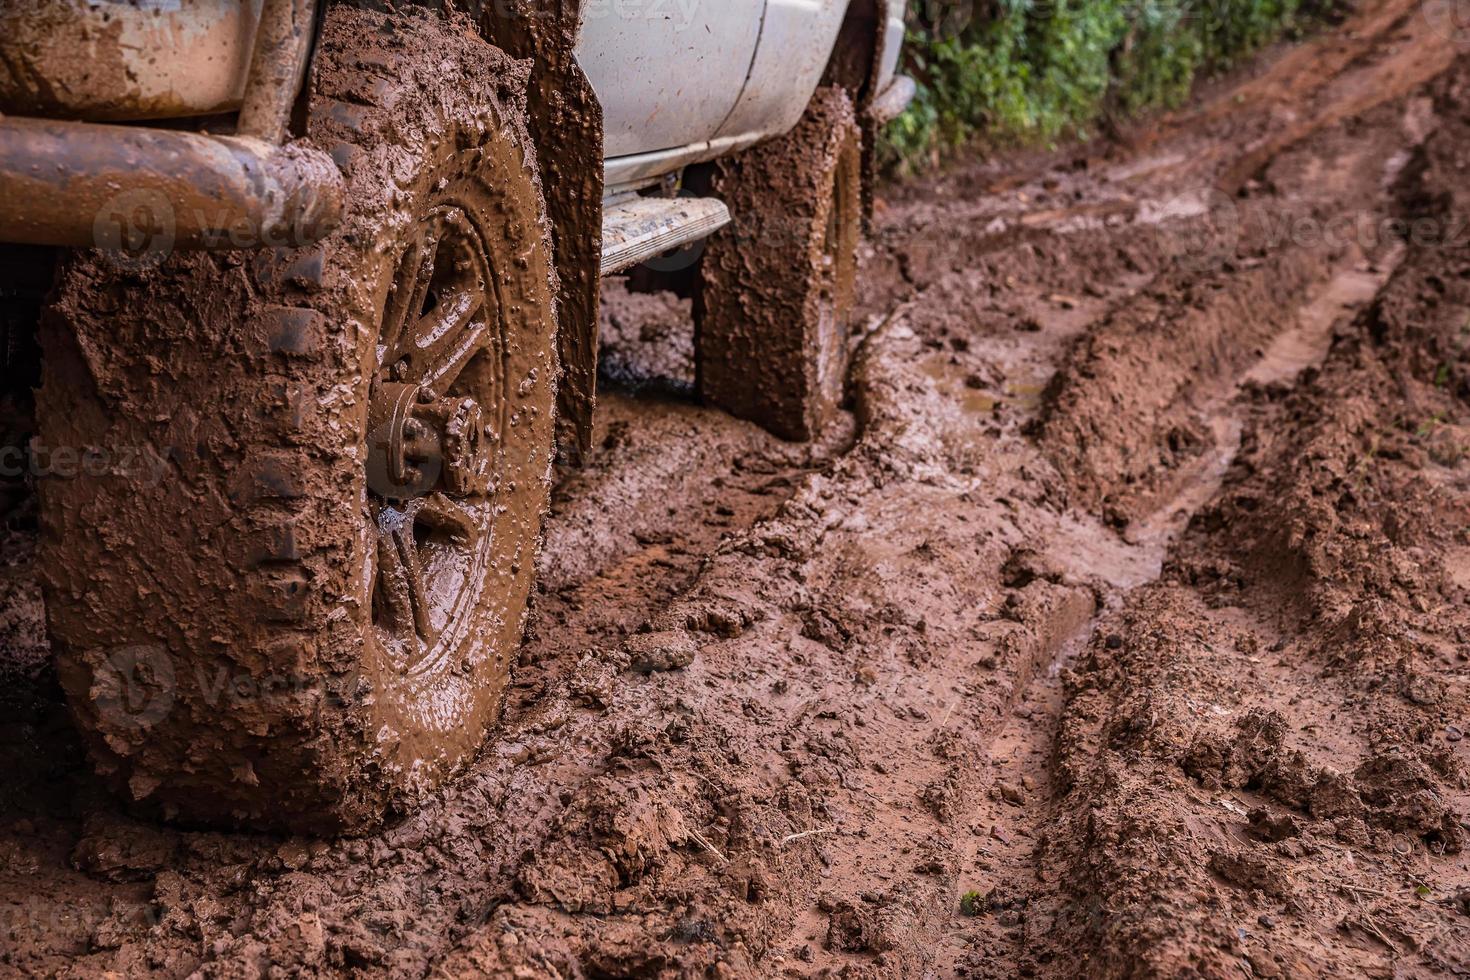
x: 320, y: 303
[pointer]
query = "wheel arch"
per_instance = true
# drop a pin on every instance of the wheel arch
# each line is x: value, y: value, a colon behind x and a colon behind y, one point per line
x: 855, y: 57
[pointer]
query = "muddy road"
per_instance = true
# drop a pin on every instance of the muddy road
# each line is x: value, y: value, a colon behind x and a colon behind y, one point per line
x: 1122, y: 627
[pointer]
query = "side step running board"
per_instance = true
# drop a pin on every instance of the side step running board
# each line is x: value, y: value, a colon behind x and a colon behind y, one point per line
x: 636, y: 229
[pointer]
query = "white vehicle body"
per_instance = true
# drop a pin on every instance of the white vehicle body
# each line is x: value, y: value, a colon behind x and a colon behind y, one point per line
x: 687, y: 81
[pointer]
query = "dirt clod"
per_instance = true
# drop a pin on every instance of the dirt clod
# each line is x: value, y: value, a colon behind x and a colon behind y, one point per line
x: 650, y: 652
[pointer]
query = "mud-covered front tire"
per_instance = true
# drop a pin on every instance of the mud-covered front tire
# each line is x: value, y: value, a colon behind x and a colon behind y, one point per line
x: 286, y: 580
x: 776, y: 286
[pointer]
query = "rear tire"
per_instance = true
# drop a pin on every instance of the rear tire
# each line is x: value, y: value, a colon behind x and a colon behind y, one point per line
x: 777, y: 285
x: 287, y: 587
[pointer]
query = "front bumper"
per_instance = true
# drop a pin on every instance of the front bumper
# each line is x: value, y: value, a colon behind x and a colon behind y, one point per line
x: 143, y: 190
x: 137, y: 190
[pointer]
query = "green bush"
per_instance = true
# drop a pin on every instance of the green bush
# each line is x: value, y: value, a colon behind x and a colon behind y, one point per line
x: 1035, y: 70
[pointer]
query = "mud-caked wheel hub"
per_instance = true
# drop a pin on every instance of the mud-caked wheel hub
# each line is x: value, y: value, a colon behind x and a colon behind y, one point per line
x: 421, y: 442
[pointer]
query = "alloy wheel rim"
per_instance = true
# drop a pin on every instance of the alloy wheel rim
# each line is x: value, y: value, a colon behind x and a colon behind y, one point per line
x: 435, y: 451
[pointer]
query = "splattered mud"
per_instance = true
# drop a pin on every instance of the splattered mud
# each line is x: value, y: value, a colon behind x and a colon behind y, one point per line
x: 1121, y: 628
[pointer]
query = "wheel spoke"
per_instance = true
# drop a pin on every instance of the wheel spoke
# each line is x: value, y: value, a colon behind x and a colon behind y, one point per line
x: 401, y: 584
x: 448, y: 516
x: 418, y: 593
x: 442, y: 375
x: 408, y: 298
x: 447, y: 338
x: 393, y: 588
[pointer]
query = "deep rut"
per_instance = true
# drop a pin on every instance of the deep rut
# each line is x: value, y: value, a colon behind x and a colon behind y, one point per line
x: 1119, y: 630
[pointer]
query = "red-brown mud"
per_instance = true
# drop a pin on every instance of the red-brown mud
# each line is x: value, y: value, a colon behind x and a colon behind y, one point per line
x: 1120, y: 629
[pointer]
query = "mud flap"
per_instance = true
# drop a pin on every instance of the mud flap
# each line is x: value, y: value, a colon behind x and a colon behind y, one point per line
x: 566, y: 126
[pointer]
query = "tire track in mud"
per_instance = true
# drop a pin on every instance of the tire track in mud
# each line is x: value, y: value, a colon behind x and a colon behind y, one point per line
x: 1008, y: 773
x: 1166, y: 872
x: 780, y: 711
x: 1025, y: 803
x: 916, y: 436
